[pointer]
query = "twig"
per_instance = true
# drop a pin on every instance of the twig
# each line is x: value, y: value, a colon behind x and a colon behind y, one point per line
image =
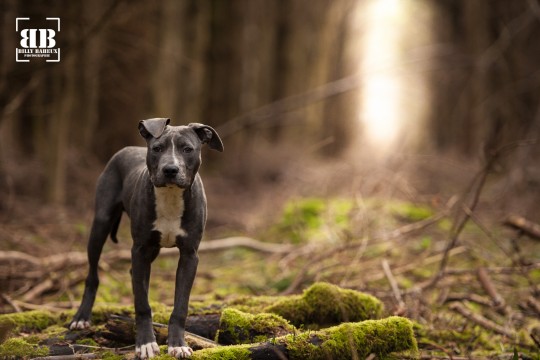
x: 407, y: 229
x: 476, y: 186
x: 393, y: 284
x: 533, y: 304
x: 475, y: 298
x: 520, y: 223
x: 479, y: 319
x: 28, y: 306
x: 283, y: 105
x: 79, y: 258
x: 11, y: 302
x: 489, y: 288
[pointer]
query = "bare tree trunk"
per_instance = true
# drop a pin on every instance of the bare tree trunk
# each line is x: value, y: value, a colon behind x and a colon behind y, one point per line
x: 91, y: 77
x: 170, y: 56
x: 65, y: 93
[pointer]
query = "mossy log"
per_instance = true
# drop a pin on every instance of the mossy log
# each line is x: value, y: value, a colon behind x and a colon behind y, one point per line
x: 123, y: 332
x: 237, y: 327
x: 325, y: 304
x: 345, y: 341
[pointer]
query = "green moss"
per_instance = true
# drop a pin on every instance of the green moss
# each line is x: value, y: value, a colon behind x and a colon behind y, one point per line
x: 346, y: 341
x: 87, y: 341
x: 237, y: 327
x: 30, y: 320
x: 55, y: 331
x: 253, y: 304
x: 234, y: 352
x: 109, y: 355
x: 101, y: 312
x: 303, y: 219
x: 354, y: 340
x: 409, y: 211
x: 163, y: 355
x: 326, y: 304
x: 19, y: 348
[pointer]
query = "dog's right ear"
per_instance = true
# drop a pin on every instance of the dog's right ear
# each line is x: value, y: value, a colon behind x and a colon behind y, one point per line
x: 153, y: 127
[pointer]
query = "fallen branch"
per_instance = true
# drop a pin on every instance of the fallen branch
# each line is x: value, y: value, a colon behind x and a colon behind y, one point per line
x: 326, y: 254
x: 121, y: 329
x: 534, y: 304
x: 489, y: 288
x: 393, y: 285
x: 77, y: 258
x: 479, y: 319
x: 526, y: 226
x: 357, y: 340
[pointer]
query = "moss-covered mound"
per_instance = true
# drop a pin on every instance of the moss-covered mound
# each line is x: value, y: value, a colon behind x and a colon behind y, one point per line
x: 237, y: 327
x: 30, y: 320
x: 19, y: 348
x: 326, y: 304
x: 346, y: 341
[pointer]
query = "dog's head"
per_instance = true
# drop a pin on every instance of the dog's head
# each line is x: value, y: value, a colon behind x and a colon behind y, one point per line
x: 174, y: 152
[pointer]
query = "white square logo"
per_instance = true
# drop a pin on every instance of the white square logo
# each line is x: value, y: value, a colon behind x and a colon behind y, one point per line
x: 37, y: 42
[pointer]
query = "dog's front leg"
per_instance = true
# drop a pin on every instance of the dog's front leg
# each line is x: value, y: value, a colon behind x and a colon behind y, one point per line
x: 185, y: 275
x: 141, y: 260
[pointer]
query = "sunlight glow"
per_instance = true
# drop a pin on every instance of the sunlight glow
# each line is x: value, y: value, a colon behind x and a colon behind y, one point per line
x: 383, y: 91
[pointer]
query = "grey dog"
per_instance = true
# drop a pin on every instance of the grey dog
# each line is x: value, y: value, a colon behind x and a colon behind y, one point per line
x: 161, y: 191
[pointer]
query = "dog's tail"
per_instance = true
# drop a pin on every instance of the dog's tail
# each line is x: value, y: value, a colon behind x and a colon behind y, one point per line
x: 114, y: 228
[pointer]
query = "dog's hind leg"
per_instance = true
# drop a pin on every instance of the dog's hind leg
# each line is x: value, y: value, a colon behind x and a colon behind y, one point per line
x: 108, y: 212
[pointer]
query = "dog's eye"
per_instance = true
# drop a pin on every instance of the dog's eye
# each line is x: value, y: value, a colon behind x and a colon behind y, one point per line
x: 187, y: 150
x: 157, y: 148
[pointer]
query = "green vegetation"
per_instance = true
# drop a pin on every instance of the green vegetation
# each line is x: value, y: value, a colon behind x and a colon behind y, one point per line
x: 19, y: 348
x: 346, y: 341
x: 305, y: 219
x: 326, y: 304
x: 30, y: 320
x: 237, y: 327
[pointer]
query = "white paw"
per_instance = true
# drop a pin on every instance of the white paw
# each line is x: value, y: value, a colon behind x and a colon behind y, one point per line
x: 147, y: 351
x: 183, y: 352
x: 79, y: 325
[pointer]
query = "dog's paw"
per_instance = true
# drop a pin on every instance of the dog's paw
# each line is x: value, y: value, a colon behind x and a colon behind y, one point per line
x: 147, y: 351
x: 181, y: 352
x: 79, y: 325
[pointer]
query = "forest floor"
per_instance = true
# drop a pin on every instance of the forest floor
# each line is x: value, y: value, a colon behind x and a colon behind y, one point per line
x: 414, y: 237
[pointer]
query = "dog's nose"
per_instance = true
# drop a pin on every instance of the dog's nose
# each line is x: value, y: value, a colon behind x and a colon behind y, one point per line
x: 170, y: 170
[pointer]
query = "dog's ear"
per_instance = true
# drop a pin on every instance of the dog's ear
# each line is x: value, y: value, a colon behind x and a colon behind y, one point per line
x: 208, y: 136
x: 153, y: 127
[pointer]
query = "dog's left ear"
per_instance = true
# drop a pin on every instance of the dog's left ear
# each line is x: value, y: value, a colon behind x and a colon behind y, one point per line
x: 208, y: 136
x: 153, y: 127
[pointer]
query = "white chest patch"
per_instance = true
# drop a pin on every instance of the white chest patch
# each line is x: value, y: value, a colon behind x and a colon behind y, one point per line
x: 169, y: 211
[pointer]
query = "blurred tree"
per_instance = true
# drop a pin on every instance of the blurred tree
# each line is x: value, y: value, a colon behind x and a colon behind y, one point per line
x: 251, y: 68
x: 487, y: 92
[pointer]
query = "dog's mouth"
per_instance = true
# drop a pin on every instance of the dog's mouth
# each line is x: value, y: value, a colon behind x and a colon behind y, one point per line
x: 170, y: 183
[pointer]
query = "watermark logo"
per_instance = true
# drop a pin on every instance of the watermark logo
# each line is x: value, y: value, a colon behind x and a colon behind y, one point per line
x: 37, y: 42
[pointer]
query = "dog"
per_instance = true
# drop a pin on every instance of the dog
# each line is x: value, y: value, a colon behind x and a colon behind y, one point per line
x: 161, y: 191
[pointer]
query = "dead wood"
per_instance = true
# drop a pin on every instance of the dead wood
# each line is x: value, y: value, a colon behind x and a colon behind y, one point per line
x: 322, y: 255
x: 479, y: 319
x: 526, y: 226
x: 121, y: 329
x: 489, y: 288
x: 480, y: 300
x: 30, y: 276
x: 533, y: 304
x: 358, y: 340
x: 395, y: 288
